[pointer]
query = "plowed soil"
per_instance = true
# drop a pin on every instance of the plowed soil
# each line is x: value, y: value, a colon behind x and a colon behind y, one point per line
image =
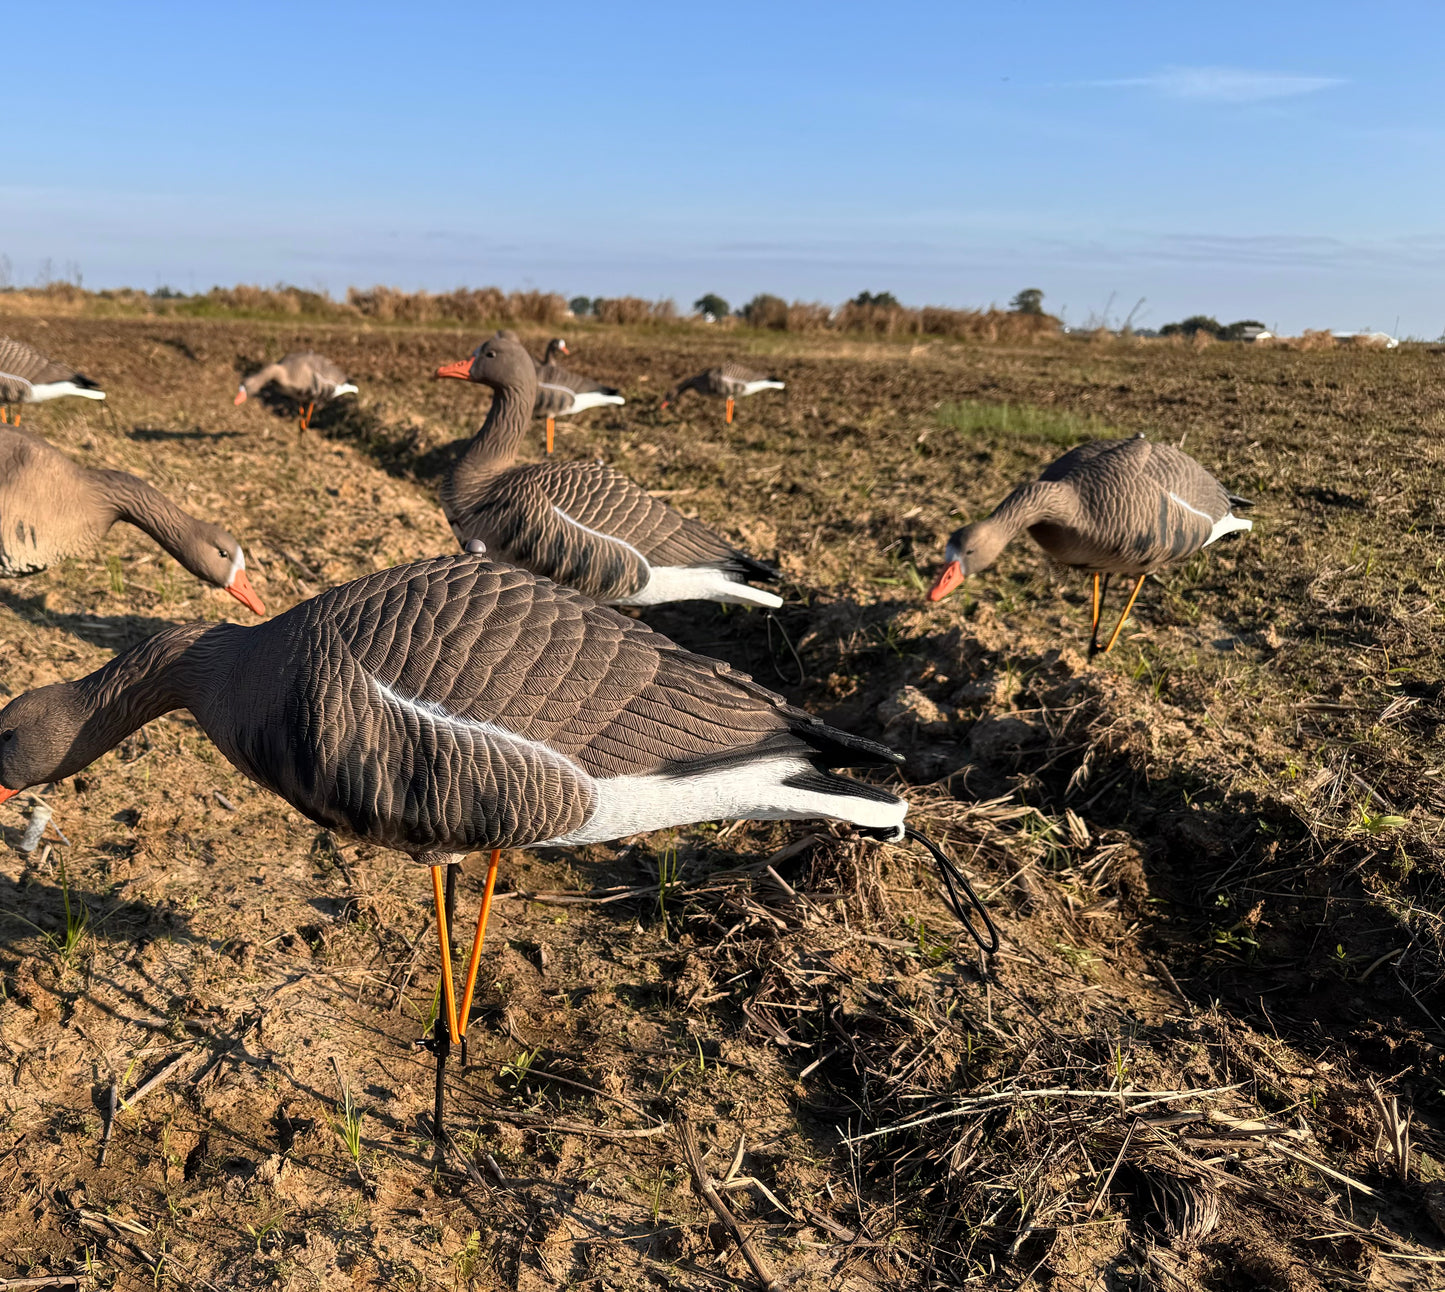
x: 1208, y: 1055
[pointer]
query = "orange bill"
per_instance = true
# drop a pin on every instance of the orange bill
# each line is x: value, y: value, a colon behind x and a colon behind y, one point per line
x: 951, y: 577
x: 461, y: 369
x: 240, y: 588
x: 7, y: 793
x: 240, y: 397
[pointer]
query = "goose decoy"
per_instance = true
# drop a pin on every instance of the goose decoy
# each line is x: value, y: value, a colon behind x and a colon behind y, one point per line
x: 561, y: 393
x: 28, y: 377
x: 52, y: 508
x: 304, y: 376
x: 730, y: 380
x: 579, y: 523
x: 457, y: 705
x: 1108, y: 507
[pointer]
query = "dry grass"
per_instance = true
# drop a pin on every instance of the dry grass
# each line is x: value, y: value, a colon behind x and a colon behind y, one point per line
x: 1208, y: 1057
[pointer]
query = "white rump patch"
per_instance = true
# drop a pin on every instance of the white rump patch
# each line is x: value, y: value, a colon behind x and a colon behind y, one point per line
x: 697, y: 583
x: 56, y: 389
x: 750, y: 792
x: 594, y: 399
x: 752, y: 387
x: 346, y: 388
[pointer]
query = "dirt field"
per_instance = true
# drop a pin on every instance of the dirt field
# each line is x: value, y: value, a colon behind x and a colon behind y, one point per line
x: 1208, y: 1055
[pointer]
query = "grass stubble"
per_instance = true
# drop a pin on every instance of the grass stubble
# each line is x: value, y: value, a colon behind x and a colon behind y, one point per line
x: 1209, y: 1053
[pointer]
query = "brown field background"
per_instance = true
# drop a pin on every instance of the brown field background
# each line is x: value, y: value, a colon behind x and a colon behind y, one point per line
x: 1208, y: 1057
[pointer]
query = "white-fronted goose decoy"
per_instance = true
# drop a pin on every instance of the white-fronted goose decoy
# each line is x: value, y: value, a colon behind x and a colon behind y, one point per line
x: 729, y: 380
x: 52, y: 508
x: 303, y: 376
x: 1108, y: 507
x: 28, y: 377
x: 561, y: 392
x: 579, y: 523
x: 457, y: 705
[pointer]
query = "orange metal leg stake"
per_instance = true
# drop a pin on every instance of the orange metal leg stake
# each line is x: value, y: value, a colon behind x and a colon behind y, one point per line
x: 1132, y: 597
x: 477, y: 940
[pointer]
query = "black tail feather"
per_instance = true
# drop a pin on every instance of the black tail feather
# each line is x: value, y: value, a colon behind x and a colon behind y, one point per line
x: 834, y: 748
x: 749, y: 568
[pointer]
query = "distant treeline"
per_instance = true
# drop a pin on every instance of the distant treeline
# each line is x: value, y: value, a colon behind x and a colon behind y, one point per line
x: 878, y: 315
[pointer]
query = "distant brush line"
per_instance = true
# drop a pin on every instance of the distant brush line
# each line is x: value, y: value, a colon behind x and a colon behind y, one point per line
x: 486, y: 306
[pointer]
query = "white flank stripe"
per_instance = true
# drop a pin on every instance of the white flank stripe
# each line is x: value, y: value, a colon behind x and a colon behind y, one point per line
x: 427, y: 711
x: 597, y: 533
x: 1195, y: 510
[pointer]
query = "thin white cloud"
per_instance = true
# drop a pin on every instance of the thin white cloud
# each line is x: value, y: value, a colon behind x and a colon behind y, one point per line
x: 1223, y: 84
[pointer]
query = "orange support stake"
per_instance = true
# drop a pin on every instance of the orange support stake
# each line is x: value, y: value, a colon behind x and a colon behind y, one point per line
x: 551, y: 431
x: 449, y: 990
x: 477, y: 940
x: 730, y: 410
x: 1133, y: 596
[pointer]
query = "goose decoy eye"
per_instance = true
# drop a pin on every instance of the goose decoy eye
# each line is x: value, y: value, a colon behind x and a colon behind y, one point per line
x: 7, y: 734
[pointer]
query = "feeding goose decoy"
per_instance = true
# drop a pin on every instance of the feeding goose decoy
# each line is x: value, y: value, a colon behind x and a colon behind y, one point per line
x: 562, y: 393
x: 28, y: 377
x: 459, y: 705
x: 1108, y: 507
x: 305, y: 377
x: 52, y: 508
x: 579, y: 523
x: 728, y: 380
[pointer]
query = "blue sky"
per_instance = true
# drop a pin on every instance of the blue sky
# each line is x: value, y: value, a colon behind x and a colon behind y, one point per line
x: 1284, y: 161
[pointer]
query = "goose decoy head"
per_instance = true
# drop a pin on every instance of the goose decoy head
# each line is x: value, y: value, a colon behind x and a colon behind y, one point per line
x: 41, y: 738
x: 211, y: 554
x: 970, y: 549
x: 500, y: 361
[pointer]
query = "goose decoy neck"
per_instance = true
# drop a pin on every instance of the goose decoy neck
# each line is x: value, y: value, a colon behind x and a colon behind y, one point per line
x: 975, y: 547
x: 258, y: 381
x: 692, y: 383
x: 507, y: 368
x: 55, y: 731
x: 206, y: 550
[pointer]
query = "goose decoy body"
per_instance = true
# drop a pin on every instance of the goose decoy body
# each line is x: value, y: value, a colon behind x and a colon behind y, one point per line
x: 1108, y: 507
x: 28, y: 377
x: 731, y: 381
x: 456, y: 705
x: 303, y: 376
x: 561, y: 393
x: 579, y: 523
x: 52, y: 508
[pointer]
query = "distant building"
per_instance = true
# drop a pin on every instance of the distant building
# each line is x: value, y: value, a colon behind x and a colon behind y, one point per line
x: 1253, y: 332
